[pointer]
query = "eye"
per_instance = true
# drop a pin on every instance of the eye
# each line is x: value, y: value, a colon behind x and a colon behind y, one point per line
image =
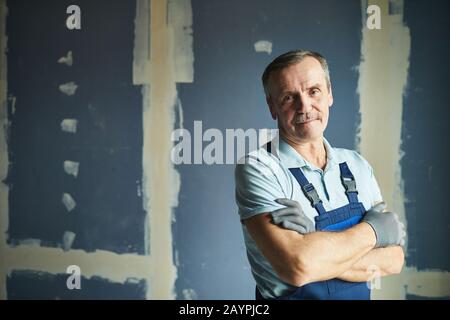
x: 288, y: 98
x: 314, y: 92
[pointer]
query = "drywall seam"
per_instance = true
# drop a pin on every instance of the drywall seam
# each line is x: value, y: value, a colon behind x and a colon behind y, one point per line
x: 159, y: 174
x: 163, y: 56
x: 110, y: 265
x: 427, y: 283
x: 180, y: 22
x: 423, y: 283
x: 115, y: 267
x: 383, y: 75
x: 382, y: 79
x: 4, y: 189
x: 158, y: 123
x: 142, y: 36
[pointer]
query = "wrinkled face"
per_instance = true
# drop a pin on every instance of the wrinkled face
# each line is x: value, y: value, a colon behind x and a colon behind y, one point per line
x: 300, y: 100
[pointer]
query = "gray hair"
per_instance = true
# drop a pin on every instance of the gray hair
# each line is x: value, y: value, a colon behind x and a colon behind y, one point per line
x: 290, y: 58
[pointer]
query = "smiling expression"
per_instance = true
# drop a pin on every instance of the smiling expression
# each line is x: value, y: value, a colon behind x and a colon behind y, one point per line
x: 300, y: 100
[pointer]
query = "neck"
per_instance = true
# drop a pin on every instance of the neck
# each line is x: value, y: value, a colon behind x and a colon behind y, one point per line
x: 312, y: 151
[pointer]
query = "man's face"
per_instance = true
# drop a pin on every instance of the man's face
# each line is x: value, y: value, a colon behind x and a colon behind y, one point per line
x: 300, y: 100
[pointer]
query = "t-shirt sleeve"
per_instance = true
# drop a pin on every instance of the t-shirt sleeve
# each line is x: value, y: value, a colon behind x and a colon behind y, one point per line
x: 374, y: 187
x: 376, y: 192
x: 257, y: 188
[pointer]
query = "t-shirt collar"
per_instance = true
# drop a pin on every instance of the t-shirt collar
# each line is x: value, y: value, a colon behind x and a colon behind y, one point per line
x: 292, y: 159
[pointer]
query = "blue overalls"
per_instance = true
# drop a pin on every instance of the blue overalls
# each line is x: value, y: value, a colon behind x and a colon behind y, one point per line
x: 334, y: 220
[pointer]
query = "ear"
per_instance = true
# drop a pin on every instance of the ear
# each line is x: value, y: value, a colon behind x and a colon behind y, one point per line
x: 271, y: 107
x: 330, y: 97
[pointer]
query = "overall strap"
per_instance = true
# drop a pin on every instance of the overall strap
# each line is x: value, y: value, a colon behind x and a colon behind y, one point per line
x: 349, y: 183
x: 308, y: 189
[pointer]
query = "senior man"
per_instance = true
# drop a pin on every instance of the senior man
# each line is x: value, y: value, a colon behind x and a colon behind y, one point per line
x: 312, y: 215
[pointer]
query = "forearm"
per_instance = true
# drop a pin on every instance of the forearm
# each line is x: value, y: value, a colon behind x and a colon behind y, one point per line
x: 327, y: 255
x: 384, y: 261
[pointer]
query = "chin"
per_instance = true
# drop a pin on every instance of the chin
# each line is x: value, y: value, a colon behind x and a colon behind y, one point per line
x: 308, y: 134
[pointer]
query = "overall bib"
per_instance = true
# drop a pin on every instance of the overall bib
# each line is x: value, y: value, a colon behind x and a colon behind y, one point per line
x: 334, y: 220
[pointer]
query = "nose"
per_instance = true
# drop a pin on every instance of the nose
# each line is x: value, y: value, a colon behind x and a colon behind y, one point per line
x: 303, y: 104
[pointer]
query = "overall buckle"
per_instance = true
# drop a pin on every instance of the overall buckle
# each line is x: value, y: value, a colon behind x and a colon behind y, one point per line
x: 311, y: 193
x: 349, y: 185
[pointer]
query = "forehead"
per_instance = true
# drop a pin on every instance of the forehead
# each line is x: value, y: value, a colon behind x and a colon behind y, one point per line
x: 306, y: 72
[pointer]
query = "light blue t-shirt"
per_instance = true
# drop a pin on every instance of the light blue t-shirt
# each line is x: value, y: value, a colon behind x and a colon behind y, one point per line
x: 264, y: 177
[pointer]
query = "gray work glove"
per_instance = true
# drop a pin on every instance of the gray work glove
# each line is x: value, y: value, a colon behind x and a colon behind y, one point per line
x: 292, y: 217
x: 386, y: 225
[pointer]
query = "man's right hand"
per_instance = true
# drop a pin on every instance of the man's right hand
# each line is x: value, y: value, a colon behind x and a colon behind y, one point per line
x: 292, y: 217
x: 388, y: 229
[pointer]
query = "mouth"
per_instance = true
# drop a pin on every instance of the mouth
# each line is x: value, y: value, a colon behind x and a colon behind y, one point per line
x: 305, y: 120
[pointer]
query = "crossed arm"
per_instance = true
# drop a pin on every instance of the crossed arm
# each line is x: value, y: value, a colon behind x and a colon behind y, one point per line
x: 300, y: 259
x: 387, y: 261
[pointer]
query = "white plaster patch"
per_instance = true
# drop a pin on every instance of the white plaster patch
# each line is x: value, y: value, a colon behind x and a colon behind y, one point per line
x: 69, y: 125
x: 141, y: 51
x: 180, y: 115
x: 189, y: 294
x: 67, y: 60
x: 71, y: 167
x: 68, y: 88
x: 139, y: 188
x: 427, y: 283
x: 68, y: 239
x: 68, y: 202
x: 180, y: 24
x: 176, y: 184
x: 158, y: 121
x: 383, y: 72
x: 133, y: 280
x: 263, y: 46
x: 30, y: 242
x: 109, y: 265
x: 12, y: 100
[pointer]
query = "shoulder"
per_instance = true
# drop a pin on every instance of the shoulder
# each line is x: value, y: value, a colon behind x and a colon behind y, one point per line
x: 369, y: 191
x: 353, y: 158
x: 259, y: 162
x: 258, y: 183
